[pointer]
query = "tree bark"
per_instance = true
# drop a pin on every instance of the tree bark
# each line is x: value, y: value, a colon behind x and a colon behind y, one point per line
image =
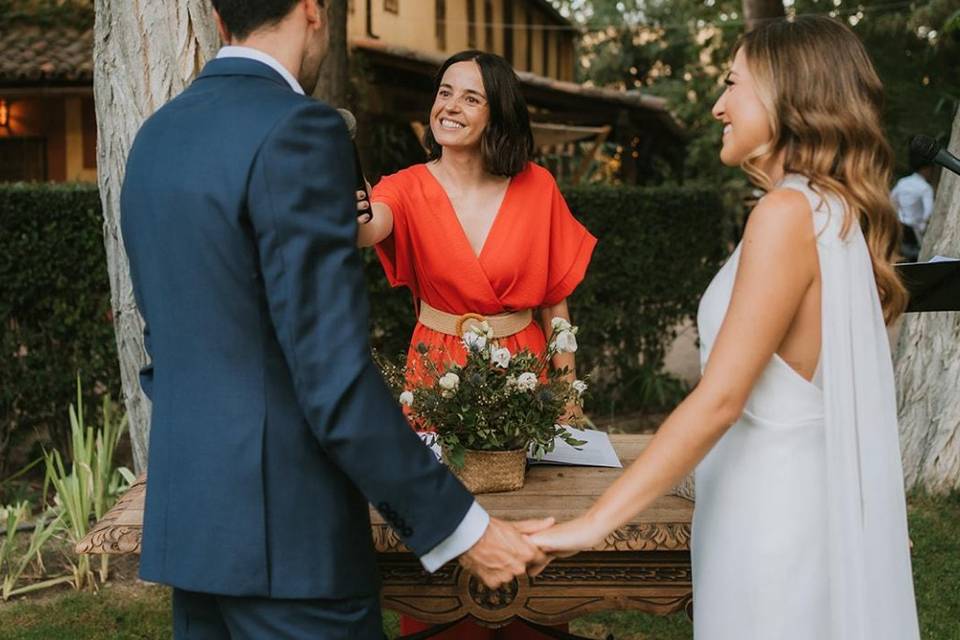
x: 928, y: 362
x: 144, y: 54
x: 756, y: 11
x: 333, y: 85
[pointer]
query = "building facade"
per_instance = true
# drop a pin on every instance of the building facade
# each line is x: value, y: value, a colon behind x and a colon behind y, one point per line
x: 531, y: 34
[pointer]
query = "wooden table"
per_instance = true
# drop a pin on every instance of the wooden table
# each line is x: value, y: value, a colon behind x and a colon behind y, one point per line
x: 643, y: 566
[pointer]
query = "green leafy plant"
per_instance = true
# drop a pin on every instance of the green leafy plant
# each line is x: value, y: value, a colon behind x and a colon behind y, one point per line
x: 495, y: 400
x: 92, y: 484
x: 13, y: 561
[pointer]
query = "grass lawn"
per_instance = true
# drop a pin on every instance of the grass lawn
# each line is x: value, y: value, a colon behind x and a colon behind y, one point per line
x: 128, y: 610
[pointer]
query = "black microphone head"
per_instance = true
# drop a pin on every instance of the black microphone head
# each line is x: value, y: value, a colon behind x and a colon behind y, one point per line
x: 350, y: 120
x: 925, y: 148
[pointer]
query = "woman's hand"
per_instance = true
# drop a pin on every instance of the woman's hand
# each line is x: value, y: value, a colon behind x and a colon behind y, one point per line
x: 572, y: 415
x: 364, y: 213
x: 571, y: 537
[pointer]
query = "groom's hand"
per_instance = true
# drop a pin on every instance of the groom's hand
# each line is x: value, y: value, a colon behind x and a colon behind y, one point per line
x: 503, y: 552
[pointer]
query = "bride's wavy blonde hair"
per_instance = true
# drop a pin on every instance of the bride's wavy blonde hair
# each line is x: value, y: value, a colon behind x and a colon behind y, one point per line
x: 824, y: 100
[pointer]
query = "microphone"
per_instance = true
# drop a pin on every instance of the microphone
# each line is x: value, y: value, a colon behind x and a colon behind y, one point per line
x: 929, y: 149
x: 351, y: 121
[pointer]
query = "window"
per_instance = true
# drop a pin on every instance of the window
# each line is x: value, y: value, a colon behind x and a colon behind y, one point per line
x: 488, y: 24
x: 23, y: 159
x: 529, y: 66
x: 391, y: 6
x: 471, y: 24
x: 508, y: 30
x: 441, y: 10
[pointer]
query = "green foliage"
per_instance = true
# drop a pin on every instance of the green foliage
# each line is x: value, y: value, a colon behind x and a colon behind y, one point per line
x: 92, y: 484
x: 646, y: 276
x: 14, y: 561
x: 54, y: 311
x: 658, y: 250
x: 678, y: 49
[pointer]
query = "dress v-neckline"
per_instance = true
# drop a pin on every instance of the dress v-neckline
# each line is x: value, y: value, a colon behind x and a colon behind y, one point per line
x: 456, y: 218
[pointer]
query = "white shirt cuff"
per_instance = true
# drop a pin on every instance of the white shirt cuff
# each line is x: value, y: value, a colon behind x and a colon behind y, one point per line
x: 470, y: 529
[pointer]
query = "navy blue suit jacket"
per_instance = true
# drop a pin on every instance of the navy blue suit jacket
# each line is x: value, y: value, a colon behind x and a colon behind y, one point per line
x: 271, y: 427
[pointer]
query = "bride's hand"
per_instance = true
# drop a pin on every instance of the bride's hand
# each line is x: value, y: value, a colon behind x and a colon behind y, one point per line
x: 568, y: 538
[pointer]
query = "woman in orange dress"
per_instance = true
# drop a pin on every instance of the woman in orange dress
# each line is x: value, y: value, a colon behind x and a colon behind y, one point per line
x: 478, y: 229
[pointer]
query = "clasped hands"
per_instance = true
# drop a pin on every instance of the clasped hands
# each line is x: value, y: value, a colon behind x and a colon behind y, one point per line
x: 507, y: 550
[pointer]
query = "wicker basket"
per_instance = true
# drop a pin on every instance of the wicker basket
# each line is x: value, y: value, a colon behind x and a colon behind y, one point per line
x: 492, y: 471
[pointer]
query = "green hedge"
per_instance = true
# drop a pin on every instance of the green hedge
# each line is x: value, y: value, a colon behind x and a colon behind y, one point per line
x: 658, y: 249
x: 54, y: 309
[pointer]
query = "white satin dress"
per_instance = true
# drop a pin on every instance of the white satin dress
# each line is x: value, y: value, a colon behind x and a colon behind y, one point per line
x: 799, y: 529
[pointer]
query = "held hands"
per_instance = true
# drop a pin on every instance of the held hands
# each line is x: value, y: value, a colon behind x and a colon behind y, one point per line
x: 505, y: 552
x: 568, y: 538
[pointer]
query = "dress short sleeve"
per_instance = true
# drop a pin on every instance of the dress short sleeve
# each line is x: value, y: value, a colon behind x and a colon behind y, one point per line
x: 395, y: 251
x: 571, y: 247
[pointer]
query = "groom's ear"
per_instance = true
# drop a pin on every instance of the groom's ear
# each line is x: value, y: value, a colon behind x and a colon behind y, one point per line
x: 225, y: 36
x: 315, y: 12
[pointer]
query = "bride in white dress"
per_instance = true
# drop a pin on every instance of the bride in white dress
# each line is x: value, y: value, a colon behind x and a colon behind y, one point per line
x: 800, y: 528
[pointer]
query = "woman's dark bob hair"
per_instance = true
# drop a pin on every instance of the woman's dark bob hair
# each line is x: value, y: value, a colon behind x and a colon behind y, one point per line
x: 507, y: 142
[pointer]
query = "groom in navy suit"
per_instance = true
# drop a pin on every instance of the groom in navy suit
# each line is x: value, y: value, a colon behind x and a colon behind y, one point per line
x: 271, y: 428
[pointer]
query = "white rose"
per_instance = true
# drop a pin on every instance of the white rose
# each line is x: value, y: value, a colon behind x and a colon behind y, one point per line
x: 474, y: 341
x: 566, y: 342
x: 500, y: 357
x: 579, y: 386
x: 527, y: 381
x: 406, y: 398
x: 449, y: 381
x: 561, y: 324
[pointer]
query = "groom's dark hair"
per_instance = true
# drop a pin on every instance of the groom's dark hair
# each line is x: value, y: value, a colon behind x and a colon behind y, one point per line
x: 243, y: 17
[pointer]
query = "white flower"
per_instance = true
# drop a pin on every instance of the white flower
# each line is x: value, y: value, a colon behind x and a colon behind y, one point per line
x: 511, y: 382
x: 474, y: 341
x: 449, y: 381
x: 566, y: 342
x: 406, y: 398
x: 500, y: 357
x: 485, y: 330
x: 527, y: 381
x: 561, y: 324
x: 579, y: 386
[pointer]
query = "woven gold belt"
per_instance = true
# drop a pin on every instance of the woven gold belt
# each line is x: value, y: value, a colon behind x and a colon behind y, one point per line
x: 502, y: 325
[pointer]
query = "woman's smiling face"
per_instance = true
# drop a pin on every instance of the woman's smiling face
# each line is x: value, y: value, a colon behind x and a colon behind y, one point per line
x: 460, y: 111
x: 746, y: 124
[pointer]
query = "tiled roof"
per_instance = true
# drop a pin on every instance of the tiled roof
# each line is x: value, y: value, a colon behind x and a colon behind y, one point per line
x: 32, y: 54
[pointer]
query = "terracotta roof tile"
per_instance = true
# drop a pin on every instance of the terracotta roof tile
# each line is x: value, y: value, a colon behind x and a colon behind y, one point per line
x: 35, y: 54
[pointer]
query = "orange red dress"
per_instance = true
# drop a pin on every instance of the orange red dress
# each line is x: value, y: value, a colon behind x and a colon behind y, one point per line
x: 535, y: 255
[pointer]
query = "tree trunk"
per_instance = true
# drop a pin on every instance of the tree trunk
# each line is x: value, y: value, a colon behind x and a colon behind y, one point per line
x: 144, y: 54
x: 756, y: 11
x: 928, y: 362
x: 333, y: 85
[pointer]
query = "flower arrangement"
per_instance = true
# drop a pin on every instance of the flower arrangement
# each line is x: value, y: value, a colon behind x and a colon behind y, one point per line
x: 496, y: 400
